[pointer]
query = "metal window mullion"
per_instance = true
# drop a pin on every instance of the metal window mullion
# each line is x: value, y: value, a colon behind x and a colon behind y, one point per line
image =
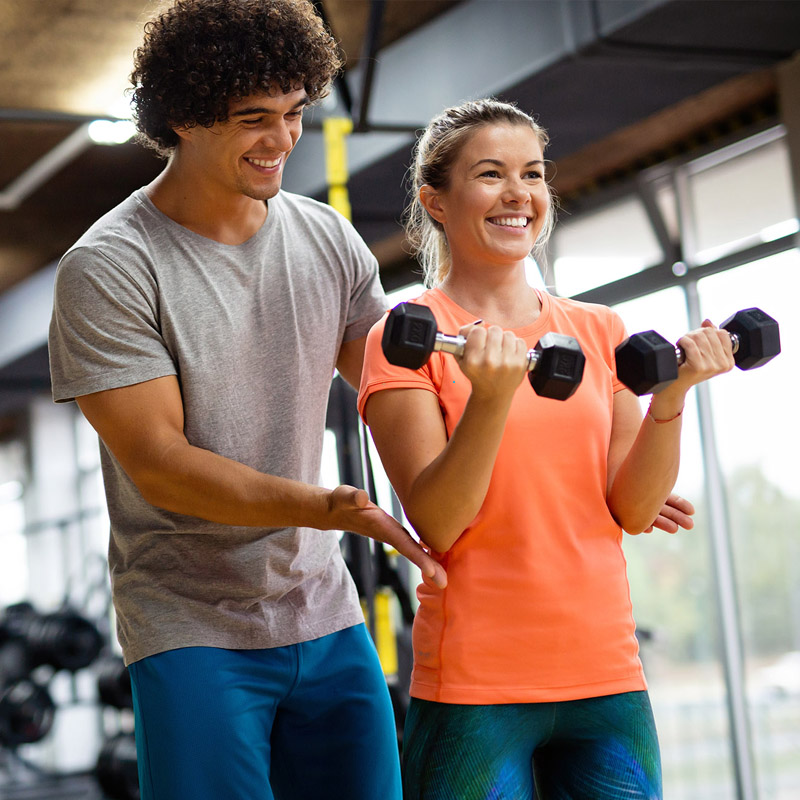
x: 719, y: 529
x: 646, y: 191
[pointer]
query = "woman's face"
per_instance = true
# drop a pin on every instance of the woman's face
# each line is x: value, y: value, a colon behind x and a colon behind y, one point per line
x: 496, y: 201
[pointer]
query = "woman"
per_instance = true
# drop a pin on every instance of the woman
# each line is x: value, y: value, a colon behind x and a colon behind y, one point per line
x: 527, y: 681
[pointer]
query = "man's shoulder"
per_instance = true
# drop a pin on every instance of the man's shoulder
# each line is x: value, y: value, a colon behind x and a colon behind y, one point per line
x: 121, y: 240
x: 301, y: 202
x: 301, y: 208
x: 319, y: 225
x: 121, y: 220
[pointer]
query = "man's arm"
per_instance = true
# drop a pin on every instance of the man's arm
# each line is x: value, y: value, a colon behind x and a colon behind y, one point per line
x: 351, y: 361
x: 676, y: 513
x: 142, y: 425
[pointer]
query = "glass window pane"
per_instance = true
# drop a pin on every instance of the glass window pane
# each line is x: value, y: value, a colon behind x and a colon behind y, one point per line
x: 13, y: 546
x: 329, y: 469
x: 742, y: 201
x: 672, y: 590
x: 755, y: 413
x: 755, y: 420
x: 87, y: 445
x: 602, y: 247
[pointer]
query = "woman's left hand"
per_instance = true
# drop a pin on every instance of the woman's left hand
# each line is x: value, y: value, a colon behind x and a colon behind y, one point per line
x: 708, y: 351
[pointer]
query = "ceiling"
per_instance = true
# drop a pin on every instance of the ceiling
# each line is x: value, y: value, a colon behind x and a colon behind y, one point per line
x: 619, y: 84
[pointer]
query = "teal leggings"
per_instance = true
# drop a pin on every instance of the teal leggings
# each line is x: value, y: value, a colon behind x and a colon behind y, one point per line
x: 601, y: 748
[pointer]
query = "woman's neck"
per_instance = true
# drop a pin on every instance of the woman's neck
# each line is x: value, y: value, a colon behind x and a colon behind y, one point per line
x: 508, y: 301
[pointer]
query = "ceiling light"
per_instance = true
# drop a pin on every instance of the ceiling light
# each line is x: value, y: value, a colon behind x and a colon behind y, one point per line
x: 106, y: 131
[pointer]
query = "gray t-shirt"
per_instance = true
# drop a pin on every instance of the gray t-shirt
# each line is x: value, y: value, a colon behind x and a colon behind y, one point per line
x: 253, y: 333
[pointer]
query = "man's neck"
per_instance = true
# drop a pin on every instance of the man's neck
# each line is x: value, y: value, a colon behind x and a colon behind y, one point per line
x: 229, y: 219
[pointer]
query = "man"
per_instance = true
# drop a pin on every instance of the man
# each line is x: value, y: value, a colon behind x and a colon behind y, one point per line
x: 198, y: 325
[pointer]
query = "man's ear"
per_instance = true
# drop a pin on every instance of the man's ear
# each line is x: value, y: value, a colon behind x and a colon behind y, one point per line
x: 431, y: 202
x: 182, y: 131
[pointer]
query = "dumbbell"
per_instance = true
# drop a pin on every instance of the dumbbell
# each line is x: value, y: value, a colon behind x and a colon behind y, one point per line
x: 411, y: 335
x: 648, y: 363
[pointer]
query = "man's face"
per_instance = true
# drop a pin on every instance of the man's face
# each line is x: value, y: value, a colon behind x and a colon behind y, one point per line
x: 246, y: 153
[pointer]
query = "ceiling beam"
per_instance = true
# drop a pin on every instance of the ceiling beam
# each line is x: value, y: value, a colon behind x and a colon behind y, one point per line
x: 416, y: 79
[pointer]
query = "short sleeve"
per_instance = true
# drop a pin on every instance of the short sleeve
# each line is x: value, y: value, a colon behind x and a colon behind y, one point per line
x: 379, y: 374
x: 618, y: 335
x: 104, y: 331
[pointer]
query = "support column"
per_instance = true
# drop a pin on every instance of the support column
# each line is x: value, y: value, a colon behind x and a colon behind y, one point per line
x: 789, y: 104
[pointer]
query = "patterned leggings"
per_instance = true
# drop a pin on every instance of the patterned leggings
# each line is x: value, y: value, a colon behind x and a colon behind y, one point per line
x: 601, y: 748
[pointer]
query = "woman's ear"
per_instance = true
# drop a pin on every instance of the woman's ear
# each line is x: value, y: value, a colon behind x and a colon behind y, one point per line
x: 431, y: 202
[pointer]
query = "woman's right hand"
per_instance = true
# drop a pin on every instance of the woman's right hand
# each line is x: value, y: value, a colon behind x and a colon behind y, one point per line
x: 494, y: 360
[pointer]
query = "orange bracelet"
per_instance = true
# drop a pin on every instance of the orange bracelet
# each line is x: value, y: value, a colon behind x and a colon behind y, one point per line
x: 661, y: 421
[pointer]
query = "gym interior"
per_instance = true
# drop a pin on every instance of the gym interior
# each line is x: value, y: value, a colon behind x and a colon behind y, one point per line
x: 675, y: 149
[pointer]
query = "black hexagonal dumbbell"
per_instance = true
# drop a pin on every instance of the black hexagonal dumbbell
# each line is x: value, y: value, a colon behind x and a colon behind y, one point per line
x: 647, y: 362
x: 555, y: 365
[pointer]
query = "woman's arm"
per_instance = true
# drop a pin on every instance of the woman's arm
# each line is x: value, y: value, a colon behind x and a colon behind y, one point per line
x: 644, y: 455
x: 442, y: 483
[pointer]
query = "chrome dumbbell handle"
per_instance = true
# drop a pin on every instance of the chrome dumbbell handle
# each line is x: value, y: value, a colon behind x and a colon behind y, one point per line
x: 681, y: 356
x: 455, y: 346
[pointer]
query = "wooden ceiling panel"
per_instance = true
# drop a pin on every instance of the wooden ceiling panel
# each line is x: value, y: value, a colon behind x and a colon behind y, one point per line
x: 70, y: 56
x: 348, y: 20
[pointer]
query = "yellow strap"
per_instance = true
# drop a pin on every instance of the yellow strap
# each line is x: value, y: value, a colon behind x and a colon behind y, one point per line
x: 335, y: 131
x: 385, y: 635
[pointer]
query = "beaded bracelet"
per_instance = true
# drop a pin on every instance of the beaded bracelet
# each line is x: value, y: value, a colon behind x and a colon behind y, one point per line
x: 661, y: 421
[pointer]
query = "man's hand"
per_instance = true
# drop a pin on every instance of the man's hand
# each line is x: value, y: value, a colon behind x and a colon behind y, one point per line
x: 676, y: 513
x: 353, y: 511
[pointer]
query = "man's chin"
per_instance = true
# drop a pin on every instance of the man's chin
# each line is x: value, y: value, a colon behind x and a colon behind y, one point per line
x: 262, y: 195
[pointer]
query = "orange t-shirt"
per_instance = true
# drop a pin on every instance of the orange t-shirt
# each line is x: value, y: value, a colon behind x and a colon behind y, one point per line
x: 537, y: 606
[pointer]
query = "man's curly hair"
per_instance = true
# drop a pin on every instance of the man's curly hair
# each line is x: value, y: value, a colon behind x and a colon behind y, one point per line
x: 199, y: 55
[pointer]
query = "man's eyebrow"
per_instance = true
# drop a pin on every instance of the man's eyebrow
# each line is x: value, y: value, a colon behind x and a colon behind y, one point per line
x: 499, y: 163
x: 251, y: 110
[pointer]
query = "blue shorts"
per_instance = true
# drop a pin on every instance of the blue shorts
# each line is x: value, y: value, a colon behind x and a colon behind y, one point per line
x: 302, y: 722
x: 601, y: 748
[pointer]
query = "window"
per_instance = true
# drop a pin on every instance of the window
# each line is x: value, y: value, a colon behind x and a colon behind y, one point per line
x: 592, y: 250
x: 727, y: 202
x: 14, y: 561
x: 758, y: 441
x: 741, y: 195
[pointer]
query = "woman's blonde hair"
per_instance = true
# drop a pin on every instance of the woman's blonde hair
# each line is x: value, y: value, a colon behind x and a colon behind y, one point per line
x: 434, y: 154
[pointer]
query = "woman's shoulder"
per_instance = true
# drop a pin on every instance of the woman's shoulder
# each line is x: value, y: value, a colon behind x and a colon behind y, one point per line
x: 595, y: 318
x: 580, y: 309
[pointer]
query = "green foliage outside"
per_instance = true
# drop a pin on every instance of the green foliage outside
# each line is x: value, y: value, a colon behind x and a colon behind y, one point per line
x: 672, y: 580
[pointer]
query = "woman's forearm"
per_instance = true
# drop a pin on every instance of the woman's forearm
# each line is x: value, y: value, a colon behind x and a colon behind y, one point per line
x: 648, y: 473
